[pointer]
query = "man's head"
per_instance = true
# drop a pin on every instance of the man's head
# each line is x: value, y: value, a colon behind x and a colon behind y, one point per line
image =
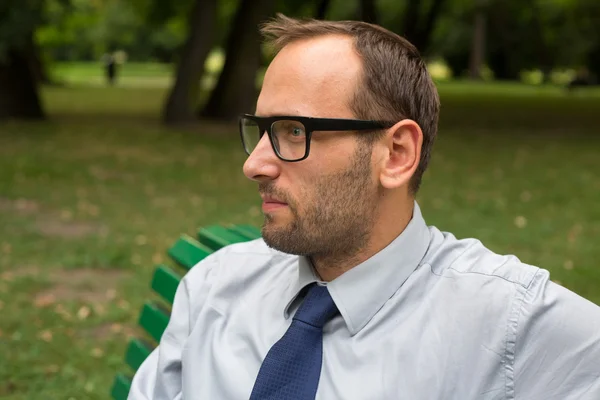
x: 350, y: 179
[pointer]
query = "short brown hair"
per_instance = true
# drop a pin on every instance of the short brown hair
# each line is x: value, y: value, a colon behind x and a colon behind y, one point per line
x: 395, y: 84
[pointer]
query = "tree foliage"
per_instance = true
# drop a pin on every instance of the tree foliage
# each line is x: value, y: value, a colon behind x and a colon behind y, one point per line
x: 511, y: 35
x: 18, y: 20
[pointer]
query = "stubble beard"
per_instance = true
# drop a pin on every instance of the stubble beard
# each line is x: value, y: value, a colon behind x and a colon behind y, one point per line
x: 337, y: 216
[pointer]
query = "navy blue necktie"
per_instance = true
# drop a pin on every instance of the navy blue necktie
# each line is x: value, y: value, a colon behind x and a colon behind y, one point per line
x: 292, y: 367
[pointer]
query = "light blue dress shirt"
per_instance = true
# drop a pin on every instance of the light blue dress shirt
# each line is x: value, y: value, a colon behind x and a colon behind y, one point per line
x: 428, y: 317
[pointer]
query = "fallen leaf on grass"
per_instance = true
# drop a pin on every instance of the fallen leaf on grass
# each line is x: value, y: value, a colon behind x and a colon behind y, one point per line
x: 60, y: 310
x: 83, y: 312
x: 7, y: 276
x: 44, y: 300
x: 45, y: 335
x: 574, y: 232
x: 525, y: 196
x: 568, y: 265
x: 66, y: 215
x: 111, y: 294
x: 51, y: 369
x: 97, y: 352
x: 89, y: 387
x: 123, y: 305
x: 157, y: 258
x: 520, y: 221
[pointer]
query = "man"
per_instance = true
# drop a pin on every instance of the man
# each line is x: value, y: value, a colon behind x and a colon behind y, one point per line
x: 349, y: 294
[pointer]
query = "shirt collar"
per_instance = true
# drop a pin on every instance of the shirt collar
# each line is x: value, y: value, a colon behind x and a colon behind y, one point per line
x: 376, y: 279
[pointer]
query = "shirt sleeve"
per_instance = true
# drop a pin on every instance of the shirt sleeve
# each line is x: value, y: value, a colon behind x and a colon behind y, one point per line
x: 556, y: 345
x: 159, y: 376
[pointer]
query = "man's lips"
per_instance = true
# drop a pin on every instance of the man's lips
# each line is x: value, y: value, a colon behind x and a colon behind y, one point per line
x: 271, y: 203
x: 269, y: 199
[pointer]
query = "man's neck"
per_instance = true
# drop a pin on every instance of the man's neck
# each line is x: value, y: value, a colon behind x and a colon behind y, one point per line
x: 388, y: 226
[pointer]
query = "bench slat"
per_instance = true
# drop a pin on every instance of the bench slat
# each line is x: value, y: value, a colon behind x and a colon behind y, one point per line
x: 121, y: 387
x: 187, y: 252
x: 154, y: 317
x: 154, y: 320
x: 165, y: 282
x: 137, y: 351
x: 248, y: 231
x: 216, y: 237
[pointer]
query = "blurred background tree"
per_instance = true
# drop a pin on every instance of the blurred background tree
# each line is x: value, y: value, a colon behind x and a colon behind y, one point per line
x: 19, y: 59
x: 539, y: 41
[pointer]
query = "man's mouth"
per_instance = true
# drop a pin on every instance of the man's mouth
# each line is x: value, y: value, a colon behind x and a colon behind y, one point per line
x: 271, y: 203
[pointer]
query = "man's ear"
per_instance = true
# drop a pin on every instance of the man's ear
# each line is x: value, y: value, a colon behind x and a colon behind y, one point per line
x: 400, y: 154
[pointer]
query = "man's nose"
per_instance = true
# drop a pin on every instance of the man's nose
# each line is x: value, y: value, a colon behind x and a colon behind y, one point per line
x: 262, y: 164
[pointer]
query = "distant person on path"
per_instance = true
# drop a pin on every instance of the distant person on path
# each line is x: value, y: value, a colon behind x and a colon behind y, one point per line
x: 349, y: 294
x: 110, y: 66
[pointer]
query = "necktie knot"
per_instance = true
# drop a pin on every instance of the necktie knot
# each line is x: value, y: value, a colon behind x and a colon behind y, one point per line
x: 317, y: 308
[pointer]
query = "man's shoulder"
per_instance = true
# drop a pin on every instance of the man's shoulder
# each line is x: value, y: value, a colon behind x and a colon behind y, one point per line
x: 240, y: 261
x: 468, y: 257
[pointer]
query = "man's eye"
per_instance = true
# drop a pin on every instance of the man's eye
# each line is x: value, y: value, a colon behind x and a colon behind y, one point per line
x: 297, y: 131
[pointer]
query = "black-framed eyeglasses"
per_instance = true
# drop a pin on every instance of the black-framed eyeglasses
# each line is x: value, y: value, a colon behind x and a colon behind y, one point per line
x: 290, y: 135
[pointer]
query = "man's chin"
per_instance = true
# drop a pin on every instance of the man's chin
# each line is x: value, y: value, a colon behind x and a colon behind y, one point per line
x: 274, y: 226
x: 277, y: 235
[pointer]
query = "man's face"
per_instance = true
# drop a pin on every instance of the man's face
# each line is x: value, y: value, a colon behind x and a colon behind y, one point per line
x: 327, y: 202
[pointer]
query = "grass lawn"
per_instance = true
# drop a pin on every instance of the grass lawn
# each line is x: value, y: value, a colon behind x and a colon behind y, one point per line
x: 91, y: 199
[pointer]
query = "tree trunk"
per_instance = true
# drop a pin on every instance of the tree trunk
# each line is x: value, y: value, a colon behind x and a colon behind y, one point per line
x: 418, y: 29
x: 19, y: 97
x: 181, y: 103
x: 499, y: 61
x: 502, y: 41
x: 545, y: 56
x: 322, y: 8
x: 478, y: 45
x: 410, y: 26
x: 368, y: 11
x: 37, y: 65
x: 458, y: 61
x: 236, y: 90
x: 426, y: 31
x: 593, y: 62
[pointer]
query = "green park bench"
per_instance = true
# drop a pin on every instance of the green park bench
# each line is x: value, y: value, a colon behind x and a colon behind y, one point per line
x: 154, y: 317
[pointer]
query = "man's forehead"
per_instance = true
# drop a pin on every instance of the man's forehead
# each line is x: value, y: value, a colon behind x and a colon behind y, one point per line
x: 310, y: 74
